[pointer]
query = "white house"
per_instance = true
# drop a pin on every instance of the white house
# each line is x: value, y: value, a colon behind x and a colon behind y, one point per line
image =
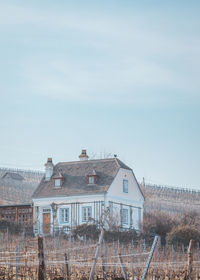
x: 73, y: 193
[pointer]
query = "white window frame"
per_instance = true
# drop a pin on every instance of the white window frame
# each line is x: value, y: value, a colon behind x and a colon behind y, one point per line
x: 64, y: 215
x: 57, y: 183
x: 125, y: 186
x: 125, y: 216
x: 86, y: 213
x: 91, y: 180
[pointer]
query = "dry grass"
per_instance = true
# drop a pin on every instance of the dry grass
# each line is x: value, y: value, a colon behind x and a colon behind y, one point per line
x: 19, y: 259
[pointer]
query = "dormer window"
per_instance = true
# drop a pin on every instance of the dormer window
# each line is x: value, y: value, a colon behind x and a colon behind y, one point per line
x: 91, y: 179
x: 58, y: 180
x: 57, y: 183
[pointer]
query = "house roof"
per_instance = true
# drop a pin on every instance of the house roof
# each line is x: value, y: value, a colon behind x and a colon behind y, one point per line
x: 75, y: 178
x: 17, y: 186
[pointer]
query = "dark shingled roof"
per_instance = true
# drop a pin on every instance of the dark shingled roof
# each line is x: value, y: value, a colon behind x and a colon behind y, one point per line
x: 75, y: 178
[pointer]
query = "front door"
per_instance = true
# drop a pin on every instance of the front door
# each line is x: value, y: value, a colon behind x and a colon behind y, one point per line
x: 46, y: 223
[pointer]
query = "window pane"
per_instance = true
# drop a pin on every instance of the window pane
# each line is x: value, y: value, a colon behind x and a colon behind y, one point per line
x: 67, y: 215
x: 91, y: 180
x: 86, y: 213
x: 125, y: 186
x: 64, y: 215
x: 57, y: 182
x: 125, y: 216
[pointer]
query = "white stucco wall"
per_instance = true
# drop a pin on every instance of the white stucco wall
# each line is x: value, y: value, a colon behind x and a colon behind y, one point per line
x: 63, y: 202
x: 133, y: 198
x: 116, y: 189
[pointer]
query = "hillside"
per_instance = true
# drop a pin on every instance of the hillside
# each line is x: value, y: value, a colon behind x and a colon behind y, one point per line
x: 170, y: 200
x: 17, y: 186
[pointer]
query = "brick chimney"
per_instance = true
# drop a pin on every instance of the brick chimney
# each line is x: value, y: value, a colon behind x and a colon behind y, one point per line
x: 48, y: 169
x: 83, y: 155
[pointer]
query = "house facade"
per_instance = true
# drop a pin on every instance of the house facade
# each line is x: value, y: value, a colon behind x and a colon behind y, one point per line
x: 73, y: 193
x: 20, y: 214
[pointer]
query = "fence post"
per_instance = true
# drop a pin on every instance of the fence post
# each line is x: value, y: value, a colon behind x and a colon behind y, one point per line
x: 122, y: 266
x: 96, y: 254
x: 156, y: 238
x: 190, y: 258
x: 25, y: 255
x: 67, y: 267
x: 114, y: 258
x: 132, y: 261
x: 17, y: 263
x: 104, y: 262
x: 41, y: 269
x: 85, y: 247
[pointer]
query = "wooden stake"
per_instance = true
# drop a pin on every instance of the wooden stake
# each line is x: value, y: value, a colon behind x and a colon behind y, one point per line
x: 67, y: 267
x: 41, y: 269
x: 132, y: 260
x: 96, y: 254
x: 190, y: 259
x: 122, y: 266
x: 156, y: 238
x: 17, y: 263
x: 104, y: 262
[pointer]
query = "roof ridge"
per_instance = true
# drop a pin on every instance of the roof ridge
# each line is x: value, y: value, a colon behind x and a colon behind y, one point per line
x: 84, y: 161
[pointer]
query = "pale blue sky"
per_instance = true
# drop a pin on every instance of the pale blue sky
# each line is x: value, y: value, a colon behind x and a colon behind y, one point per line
x: 119, y: 77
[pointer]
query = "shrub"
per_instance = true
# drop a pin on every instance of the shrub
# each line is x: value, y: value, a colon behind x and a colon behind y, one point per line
x: 122, y: 236
x: 89, y: 230
x: 182, y: 235
x: 157, y: 223
x: 92, y: 231
x: 11, y: 227
x: 190, y: 218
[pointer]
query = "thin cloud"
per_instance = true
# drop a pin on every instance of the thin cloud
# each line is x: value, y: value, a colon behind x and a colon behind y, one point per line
x: 133, y: 62
x: 138, y: 82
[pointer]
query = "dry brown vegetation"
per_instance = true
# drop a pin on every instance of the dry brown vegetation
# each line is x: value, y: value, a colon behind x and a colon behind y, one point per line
x: 173, y: 201
x: 19, y: 259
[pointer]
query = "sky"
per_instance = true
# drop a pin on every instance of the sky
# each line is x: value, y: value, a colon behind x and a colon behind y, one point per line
x: 113, y: 77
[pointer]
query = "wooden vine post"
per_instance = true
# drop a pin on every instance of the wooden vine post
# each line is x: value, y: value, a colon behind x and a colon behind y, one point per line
x: 156, y: 239
x: 190, y: 259
x: 67, y: 267
x: 122, y: 267
x: 41, y: 268
x: 96, y: 253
